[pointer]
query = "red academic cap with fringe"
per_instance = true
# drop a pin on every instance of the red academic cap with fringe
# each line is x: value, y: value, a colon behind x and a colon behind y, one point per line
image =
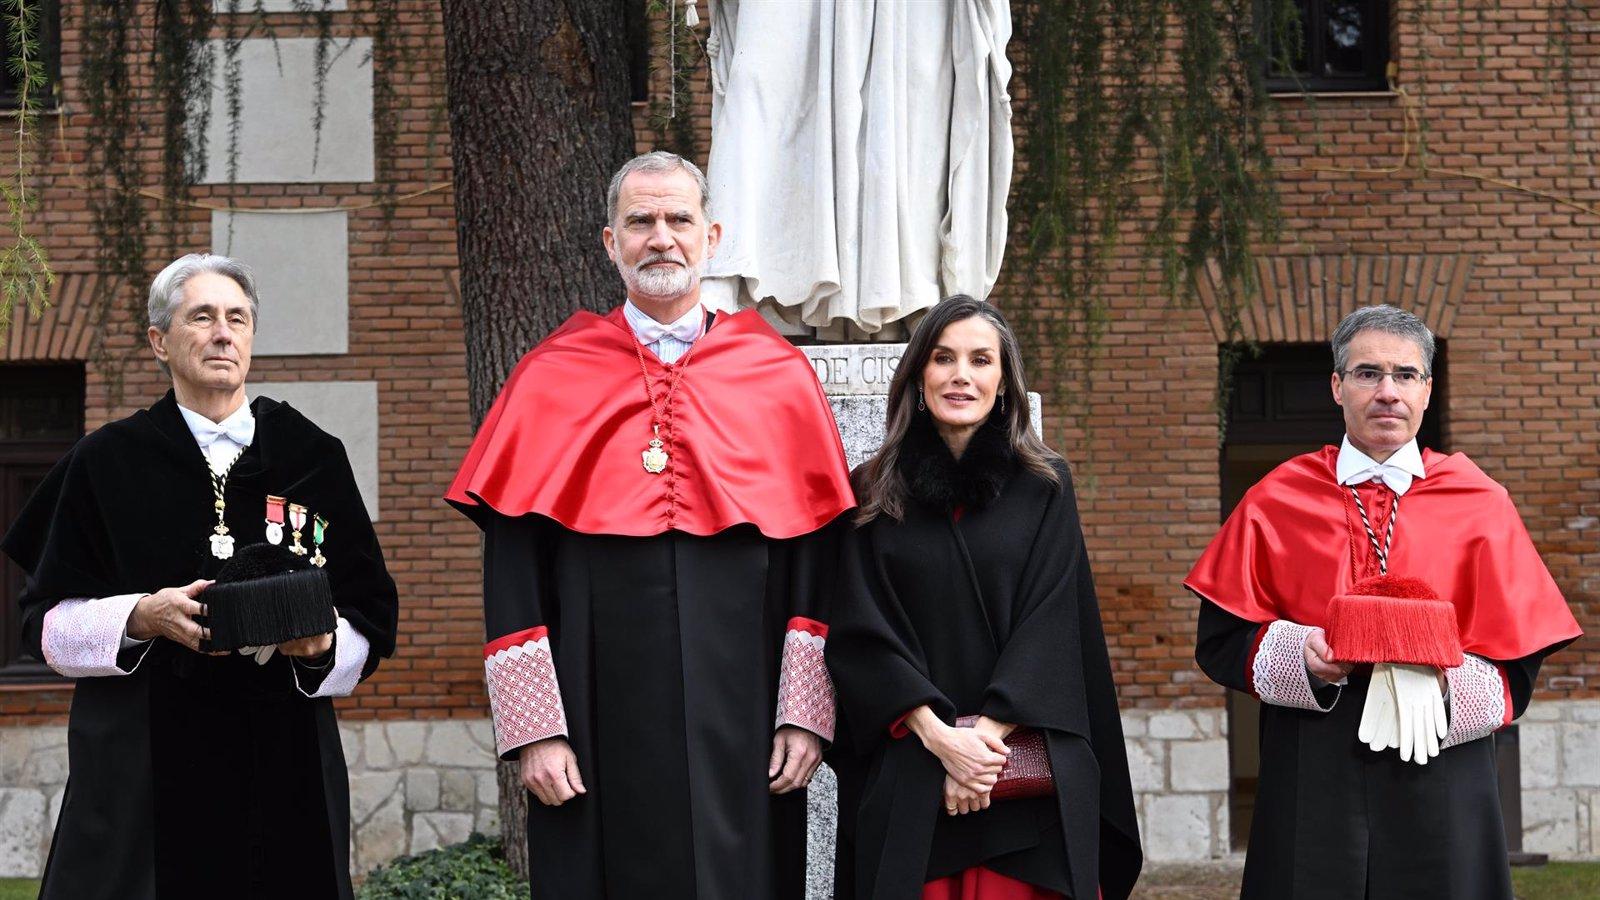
x: 1393, y: 619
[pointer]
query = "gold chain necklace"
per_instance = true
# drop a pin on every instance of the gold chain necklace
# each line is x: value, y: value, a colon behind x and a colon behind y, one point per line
x: 221, y: 540
x: 655, y: 456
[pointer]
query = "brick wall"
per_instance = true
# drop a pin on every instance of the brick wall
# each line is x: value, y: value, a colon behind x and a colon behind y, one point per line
x: 1522, y: 325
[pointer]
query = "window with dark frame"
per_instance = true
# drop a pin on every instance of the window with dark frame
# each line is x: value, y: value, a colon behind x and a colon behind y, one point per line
x: 49, y: 37
x: 41, y: 417
x: 1336, y: 45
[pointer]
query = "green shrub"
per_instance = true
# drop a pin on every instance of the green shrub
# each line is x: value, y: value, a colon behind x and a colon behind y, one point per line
x: 474, y: 870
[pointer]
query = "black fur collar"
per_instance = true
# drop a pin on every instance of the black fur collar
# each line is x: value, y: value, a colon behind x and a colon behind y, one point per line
x: 935, y: 477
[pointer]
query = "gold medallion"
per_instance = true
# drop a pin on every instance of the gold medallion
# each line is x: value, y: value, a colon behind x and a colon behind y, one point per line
x: 655, y: 458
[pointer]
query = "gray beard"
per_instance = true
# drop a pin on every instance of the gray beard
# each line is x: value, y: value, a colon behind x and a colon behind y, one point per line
x: 665, y: 283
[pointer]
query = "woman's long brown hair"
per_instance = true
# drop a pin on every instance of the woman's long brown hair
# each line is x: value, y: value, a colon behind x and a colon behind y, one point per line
x: 881, y: 490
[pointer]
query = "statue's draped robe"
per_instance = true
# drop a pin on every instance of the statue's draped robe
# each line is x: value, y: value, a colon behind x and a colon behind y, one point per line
x: 861, y: 154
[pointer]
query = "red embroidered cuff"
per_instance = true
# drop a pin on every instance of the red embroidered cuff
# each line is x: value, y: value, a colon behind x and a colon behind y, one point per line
x: 805, y: 690
x: 1278, y: 671
x: 524, y: 696
x: 1479, y: 701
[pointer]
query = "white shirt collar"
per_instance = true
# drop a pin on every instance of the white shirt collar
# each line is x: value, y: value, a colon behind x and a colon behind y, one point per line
x: 239, y: 428
x: 687, y: 328
x: 1355, y: 467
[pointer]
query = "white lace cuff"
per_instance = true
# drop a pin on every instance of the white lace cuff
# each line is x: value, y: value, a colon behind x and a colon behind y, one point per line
x: 1479, y: 704
x: 524, y: 697
x: 83, y: 637
x: 350, y: 649
x: 1278, y: 673
x: 805, y: 690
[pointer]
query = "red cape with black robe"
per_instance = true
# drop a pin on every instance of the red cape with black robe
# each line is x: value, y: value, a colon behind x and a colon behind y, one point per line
x: 1296, y: 541
x: 645, y: 617
x: 748, y: 431
x: 1333, y: 819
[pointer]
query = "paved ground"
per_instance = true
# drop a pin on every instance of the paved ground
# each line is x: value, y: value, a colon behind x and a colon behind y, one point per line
x: 1206, y: 881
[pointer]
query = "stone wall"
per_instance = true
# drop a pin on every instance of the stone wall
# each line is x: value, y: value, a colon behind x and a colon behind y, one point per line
x: 1178, y: 760
x: 1560, y: 752
x: 414, y: 786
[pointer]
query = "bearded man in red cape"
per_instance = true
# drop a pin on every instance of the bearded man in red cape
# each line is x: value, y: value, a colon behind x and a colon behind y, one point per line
x: 1335, y: 818
x: 656, y: 489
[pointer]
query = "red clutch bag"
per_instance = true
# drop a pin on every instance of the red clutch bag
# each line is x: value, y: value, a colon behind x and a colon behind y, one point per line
x: 1027, y: 770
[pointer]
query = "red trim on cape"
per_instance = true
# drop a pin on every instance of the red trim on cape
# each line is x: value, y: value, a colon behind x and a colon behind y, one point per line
x: 750, y: 436
x: 515, y: 639
x: 1291, y: 546
x: 809, y: 626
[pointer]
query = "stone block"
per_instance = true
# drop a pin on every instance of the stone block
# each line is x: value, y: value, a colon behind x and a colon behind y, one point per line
x: 1540, y: 752
x: 487, y: 821
x: 350, y: 741
x: 1135, y: 724
x: 1147, y: 765
x: 1583, y: 710
x: 407, y: 740
x: 301, y: 261
x: 1550, y: 822
x: 431, y: 830
x: 277, y: 140
x: 382, y: 835
x: 22, y: 832
x: 488, y: 790
x: 458, y: 790
x: 822, y: 807
x: 1199, y: 765
x: 348, y: 410
x: 451, y: 744
x: 422, y: 790
x: 369, y: 791
x: 1580, y: 758
x: 854, y: 369
x: 1178, y: 828
x: 1173, y: 726
x: 46, y: 764
x: 375, y: 741
x: 482, y: 731
x: 1544, y: 711
x: 16, y: 745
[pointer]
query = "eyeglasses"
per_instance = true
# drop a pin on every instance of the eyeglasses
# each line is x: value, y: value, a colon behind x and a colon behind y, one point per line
x: 1368, y: 378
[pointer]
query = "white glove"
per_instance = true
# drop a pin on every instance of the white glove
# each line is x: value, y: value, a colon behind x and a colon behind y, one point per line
x: 1380, y: 722
x: 262, y: 654
x: 1420, y: 707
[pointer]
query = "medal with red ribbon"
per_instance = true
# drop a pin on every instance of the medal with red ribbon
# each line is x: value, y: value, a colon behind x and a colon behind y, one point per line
x: 275, y: 519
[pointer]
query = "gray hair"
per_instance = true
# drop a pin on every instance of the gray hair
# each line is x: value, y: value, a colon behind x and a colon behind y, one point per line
x: 656, y: 162
x: 166, y: 292
x: 1387, y: 319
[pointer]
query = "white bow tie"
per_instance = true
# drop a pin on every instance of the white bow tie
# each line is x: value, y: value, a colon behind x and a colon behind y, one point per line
x: 686, y: 329
x: 241, y: 432
x: 1398, y: 479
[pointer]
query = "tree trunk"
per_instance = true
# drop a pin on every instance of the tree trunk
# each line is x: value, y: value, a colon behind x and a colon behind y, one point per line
x: 539, y: 120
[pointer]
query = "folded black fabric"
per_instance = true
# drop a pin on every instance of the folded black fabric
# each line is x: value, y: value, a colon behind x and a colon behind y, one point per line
x: 267, y: 595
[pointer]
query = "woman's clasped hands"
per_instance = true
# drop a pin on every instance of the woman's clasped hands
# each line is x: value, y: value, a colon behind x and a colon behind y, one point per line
x: 972, y: 757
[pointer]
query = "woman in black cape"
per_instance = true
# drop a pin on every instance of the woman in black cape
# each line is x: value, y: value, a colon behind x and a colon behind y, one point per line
x: 966, y: 592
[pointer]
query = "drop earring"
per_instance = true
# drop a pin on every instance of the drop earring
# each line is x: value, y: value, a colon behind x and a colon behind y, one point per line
x: 920, y: 403
x: 1002, y: 403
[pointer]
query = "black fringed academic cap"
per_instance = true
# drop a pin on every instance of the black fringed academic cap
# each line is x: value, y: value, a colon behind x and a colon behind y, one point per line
x: 267, y: 595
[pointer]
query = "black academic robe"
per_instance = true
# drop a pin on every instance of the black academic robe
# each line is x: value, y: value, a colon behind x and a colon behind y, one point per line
x: 1404, y: 831
x: 990, y: 611
x: 197, y: 776
x: 667, y: 651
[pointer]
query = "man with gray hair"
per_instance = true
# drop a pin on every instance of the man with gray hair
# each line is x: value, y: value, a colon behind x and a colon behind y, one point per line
x: 1364, y: 631
x: 657, y: 488
x: 204, y: 756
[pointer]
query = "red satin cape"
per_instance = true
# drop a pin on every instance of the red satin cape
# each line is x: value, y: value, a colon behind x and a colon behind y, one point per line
x: 750, y: 436
x: 1296, y: 541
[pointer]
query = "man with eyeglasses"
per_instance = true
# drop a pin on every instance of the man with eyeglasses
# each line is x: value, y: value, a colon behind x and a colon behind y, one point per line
x: 1341, y: 547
